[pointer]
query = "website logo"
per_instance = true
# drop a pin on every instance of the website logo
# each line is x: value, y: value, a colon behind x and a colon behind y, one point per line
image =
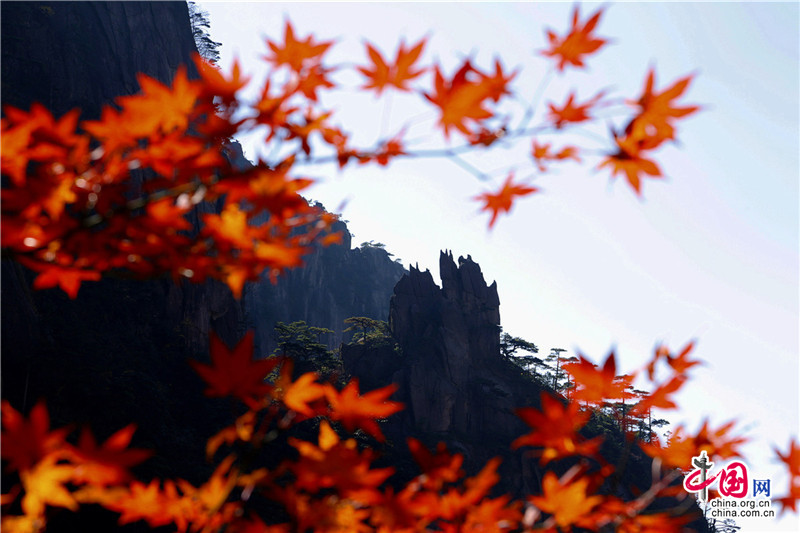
x: 732, y: 481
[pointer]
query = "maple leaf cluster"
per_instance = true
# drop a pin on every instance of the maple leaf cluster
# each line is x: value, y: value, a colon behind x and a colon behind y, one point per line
x: 146, y: 189
x: 116, y: 195
x: 332, y: 484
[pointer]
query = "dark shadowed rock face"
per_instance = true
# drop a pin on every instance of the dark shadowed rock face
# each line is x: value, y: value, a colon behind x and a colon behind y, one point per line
x: 455, y: 384
x: 118, y: 353
x: 451, y: 339
x: 85, y: 54
x: 335, y: 283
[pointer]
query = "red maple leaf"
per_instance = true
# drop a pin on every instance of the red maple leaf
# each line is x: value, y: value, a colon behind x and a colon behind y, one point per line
x: 629, y: 160
x: 681, y: 363
x: 158, y: 107
x: 294, y: 53
x: 314, y: 79
x: 27, y: 441
x: 355, y: 410
x: 215, y: 83
x: 301, y: 394
x: 234, y: 372
x: 660, y: 398
x: 792, y: 462
x: 541, y: 153
x: 67, y: 278
x: 567, y: 501
x: 570, y: 49
x: 437, y: 468
x: 107, y: 464
x: 503, y: 199
x: 571, y: 111
x: 595, y: 385
x: 462, y: 98
x: 657, y: 111
x: 381, y: 74
x: 555, y: 428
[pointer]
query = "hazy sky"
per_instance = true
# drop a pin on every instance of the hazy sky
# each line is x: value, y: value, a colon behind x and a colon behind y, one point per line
x: 711, y: 253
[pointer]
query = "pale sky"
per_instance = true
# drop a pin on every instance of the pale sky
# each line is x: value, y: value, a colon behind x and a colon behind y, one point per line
x: 711, y: 253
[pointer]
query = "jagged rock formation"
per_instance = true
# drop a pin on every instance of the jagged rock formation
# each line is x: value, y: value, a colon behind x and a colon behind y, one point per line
x: 457, y: 387
x: 450, y: 335
x: 451, y: 377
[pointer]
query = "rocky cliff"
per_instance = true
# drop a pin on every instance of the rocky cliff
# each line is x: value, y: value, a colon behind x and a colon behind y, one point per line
x: 335, y: 283
x: 118, y: 352
x: 457, y: 387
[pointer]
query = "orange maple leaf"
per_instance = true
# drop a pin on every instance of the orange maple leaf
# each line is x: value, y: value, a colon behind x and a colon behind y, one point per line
x: 355, y: 410
x: 158, y: 107
x: 28, y: 441
x: 659, y: 398
x: 497, y: 83
x: 14, y: 151
x: 679, y: 450
x: 541, y: 153
x: 596, y: 386
x: 487, y: 137
x: 387, y: 150
x: 272, y: 109
x: 567, y: 502
x: 629, y: 160
x: 234, y: 372
x: 462, y: 98
x: 229, y: 228
x: 314, y: 79
x: 215, y: 83
x: 44, y: 485
x: 67, y: 278
x: 157, y: 506
x: 205, y: 507
x: 302, y: 130
x: 168, y: 216
x: 555, y: 428
x: 654, y: 121
x: 296, y: 54
x: 242, y: 429
x: 300, y: 395
x: 579, y: 42
x: 455, y: 504
x: 503, y: 200
x: 680, y: 363
x: 335, y: 463
x: 493, y: 514
x: 107, y: 464
x: 437, y: 468
x: 792, y: 461
x: 381, y: 74
x: 572, y: 112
